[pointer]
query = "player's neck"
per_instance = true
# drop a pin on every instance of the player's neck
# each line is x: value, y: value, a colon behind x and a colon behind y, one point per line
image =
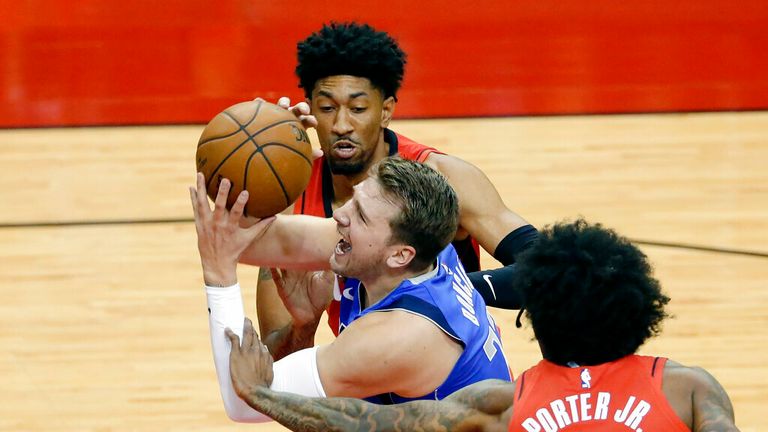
x: 378, y: 288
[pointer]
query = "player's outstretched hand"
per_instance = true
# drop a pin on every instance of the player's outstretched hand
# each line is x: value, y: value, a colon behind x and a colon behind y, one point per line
x: 221, y: 234
x: 250, y: 363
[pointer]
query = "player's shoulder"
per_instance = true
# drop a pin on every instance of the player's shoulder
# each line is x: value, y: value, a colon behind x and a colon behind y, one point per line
x: 451, y: 166
x: 686, y: 376
x: 385, y: 327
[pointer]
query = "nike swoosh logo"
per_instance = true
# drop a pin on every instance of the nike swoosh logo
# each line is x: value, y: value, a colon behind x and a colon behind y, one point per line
x: 487, y: 279
x: 347, y: 294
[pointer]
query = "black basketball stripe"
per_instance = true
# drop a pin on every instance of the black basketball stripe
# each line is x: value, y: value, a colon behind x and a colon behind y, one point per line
x: 291, y: 149
x: 270, y: 126
x: 251, y: 139
x: 245, y: 176
x: 241, y: 127
x: 274, y: 173
x: 209, y: 140
x: 216, y: 170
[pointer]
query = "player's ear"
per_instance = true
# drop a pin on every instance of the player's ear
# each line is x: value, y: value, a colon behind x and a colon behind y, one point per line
x: 387, y: 109
x: 400, y: 256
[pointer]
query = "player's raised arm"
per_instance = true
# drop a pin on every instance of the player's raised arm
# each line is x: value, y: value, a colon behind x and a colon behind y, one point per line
x: 285, y: 241
x: 499, y: 230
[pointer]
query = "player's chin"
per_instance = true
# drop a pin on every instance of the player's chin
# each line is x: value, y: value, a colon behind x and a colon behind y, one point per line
x: 338, y: 266
x: 346, y: 166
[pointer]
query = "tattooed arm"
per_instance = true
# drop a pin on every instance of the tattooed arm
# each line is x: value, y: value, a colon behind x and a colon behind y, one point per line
x: 697, y: 398
x: 712, y: 409
x: 346, y: 414
x: 485, y: 406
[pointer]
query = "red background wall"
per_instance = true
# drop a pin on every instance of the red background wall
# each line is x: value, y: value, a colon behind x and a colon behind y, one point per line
x: 94, y: 62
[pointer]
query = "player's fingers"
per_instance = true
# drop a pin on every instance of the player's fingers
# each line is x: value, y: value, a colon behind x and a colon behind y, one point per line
x: 233, y: 338
x: 201, y: 197
x: 284, y: 102
x: 308, y: 121
x: 256, y: 343
x: 221, y: 197
x: 193, y: 198
x: 238, y: 207
x: 316, y: 153
x: 301, y: 108
x: 248, y: 333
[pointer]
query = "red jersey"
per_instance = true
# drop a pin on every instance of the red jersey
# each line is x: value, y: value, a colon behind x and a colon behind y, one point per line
x: 317, y: 200
x: 621, y: 395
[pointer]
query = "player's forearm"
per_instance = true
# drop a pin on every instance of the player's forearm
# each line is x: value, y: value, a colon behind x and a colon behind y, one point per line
x: 495, y: 286
x: 225, y: 309
x: 294, y: 241
x: 346, y: 414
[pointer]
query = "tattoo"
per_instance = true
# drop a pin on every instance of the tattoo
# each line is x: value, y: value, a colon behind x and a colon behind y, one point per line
x: 712, y: 409
x: 289, y: 339
x: 265, y: 274
x: 299, y: 413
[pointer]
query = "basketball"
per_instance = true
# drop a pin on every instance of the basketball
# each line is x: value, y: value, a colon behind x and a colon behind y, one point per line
x: 261, y: 148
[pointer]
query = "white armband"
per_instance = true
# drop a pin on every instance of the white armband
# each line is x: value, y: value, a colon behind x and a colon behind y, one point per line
x: 296, y: 373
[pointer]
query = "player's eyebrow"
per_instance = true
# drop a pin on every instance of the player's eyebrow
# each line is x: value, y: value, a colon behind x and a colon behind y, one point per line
x: 359, y: 209
x: 329, y: 95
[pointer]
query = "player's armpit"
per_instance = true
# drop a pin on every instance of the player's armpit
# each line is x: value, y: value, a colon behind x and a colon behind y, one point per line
x: 294, y: 241
x: 387, y: 352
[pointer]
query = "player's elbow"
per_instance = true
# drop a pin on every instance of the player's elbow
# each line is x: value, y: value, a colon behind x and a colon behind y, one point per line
x: 239, y: 412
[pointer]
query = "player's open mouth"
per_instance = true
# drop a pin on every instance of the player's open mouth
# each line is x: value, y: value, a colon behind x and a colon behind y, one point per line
x: 344, y: 149
x: 342, y: 247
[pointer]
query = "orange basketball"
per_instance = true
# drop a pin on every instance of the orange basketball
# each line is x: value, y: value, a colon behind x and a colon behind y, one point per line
x: 259, y: 147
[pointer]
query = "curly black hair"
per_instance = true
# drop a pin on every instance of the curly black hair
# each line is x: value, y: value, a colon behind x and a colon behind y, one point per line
x: 589, y: 294
x: 351, y: 49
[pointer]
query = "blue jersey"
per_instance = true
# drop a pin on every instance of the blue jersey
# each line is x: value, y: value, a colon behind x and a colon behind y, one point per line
x: 445, y: 297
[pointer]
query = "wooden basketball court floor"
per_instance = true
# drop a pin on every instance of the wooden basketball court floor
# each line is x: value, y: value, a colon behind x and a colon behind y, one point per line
x: 103, y: 321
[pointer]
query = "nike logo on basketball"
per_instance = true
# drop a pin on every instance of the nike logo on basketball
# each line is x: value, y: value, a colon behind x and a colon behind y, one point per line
x: 347, y: 294
x: 487, y: 279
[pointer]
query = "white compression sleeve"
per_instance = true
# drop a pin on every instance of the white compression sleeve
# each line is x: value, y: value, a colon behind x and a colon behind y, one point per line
x: 225, y: 306
x: 296, y: 373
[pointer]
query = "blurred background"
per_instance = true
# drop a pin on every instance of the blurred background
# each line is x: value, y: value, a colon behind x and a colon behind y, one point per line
x: 648, y: 116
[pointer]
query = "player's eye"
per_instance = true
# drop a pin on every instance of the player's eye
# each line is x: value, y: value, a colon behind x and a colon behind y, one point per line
x: 326, y: 108
x: 358, y: 110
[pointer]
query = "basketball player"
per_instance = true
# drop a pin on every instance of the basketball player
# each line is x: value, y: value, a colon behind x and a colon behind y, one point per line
x: 592, y: 302
x: 391, y: 243
x: 350, y: 74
